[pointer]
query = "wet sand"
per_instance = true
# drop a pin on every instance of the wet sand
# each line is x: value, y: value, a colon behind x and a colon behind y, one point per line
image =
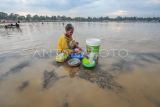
x: 41, y: 82
x: 133, y: 81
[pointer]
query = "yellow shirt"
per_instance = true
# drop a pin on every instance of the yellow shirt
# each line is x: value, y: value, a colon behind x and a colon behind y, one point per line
x: 63, y: 44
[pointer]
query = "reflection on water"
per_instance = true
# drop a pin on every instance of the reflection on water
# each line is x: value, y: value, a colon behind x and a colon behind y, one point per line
x: 133, y: 81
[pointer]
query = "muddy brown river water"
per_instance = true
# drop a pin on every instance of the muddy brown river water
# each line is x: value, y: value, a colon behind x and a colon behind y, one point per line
x: 127, y: 74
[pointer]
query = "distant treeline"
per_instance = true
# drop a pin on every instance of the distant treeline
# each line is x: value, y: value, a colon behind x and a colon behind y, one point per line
x: 36, y: 18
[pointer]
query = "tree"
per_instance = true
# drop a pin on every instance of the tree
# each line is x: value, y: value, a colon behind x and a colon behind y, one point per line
x: 47, y: 18
x: 89, y: 19
x: 53, y: 18
x: 28, y: 17
x: 35, y: 18
x: 13, y: 16
x: 118, y: 18
x: 3, y: 15
x: 21, y: 18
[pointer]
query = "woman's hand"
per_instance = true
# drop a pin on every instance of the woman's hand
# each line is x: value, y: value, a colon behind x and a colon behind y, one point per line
x: 77, y: 50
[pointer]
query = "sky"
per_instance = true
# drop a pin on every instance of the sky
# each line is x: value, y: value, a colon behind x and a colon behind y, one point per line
x: 83, y: 8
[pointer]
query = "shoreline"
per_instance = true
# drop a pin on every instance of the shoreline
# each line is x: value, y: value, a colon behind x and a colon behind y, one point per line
x: 1, y: 23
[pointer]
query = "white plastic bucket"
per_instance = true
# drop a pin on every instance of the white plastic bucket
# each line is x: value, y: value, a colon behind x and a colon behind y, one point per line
x: 93, y: 45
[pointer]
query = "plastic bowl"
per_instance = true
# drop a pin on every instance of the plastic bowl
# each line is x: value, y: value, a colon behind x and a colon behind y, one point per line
x: 87, y: 64
x: 76, y: 55
x: 74, y: 62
